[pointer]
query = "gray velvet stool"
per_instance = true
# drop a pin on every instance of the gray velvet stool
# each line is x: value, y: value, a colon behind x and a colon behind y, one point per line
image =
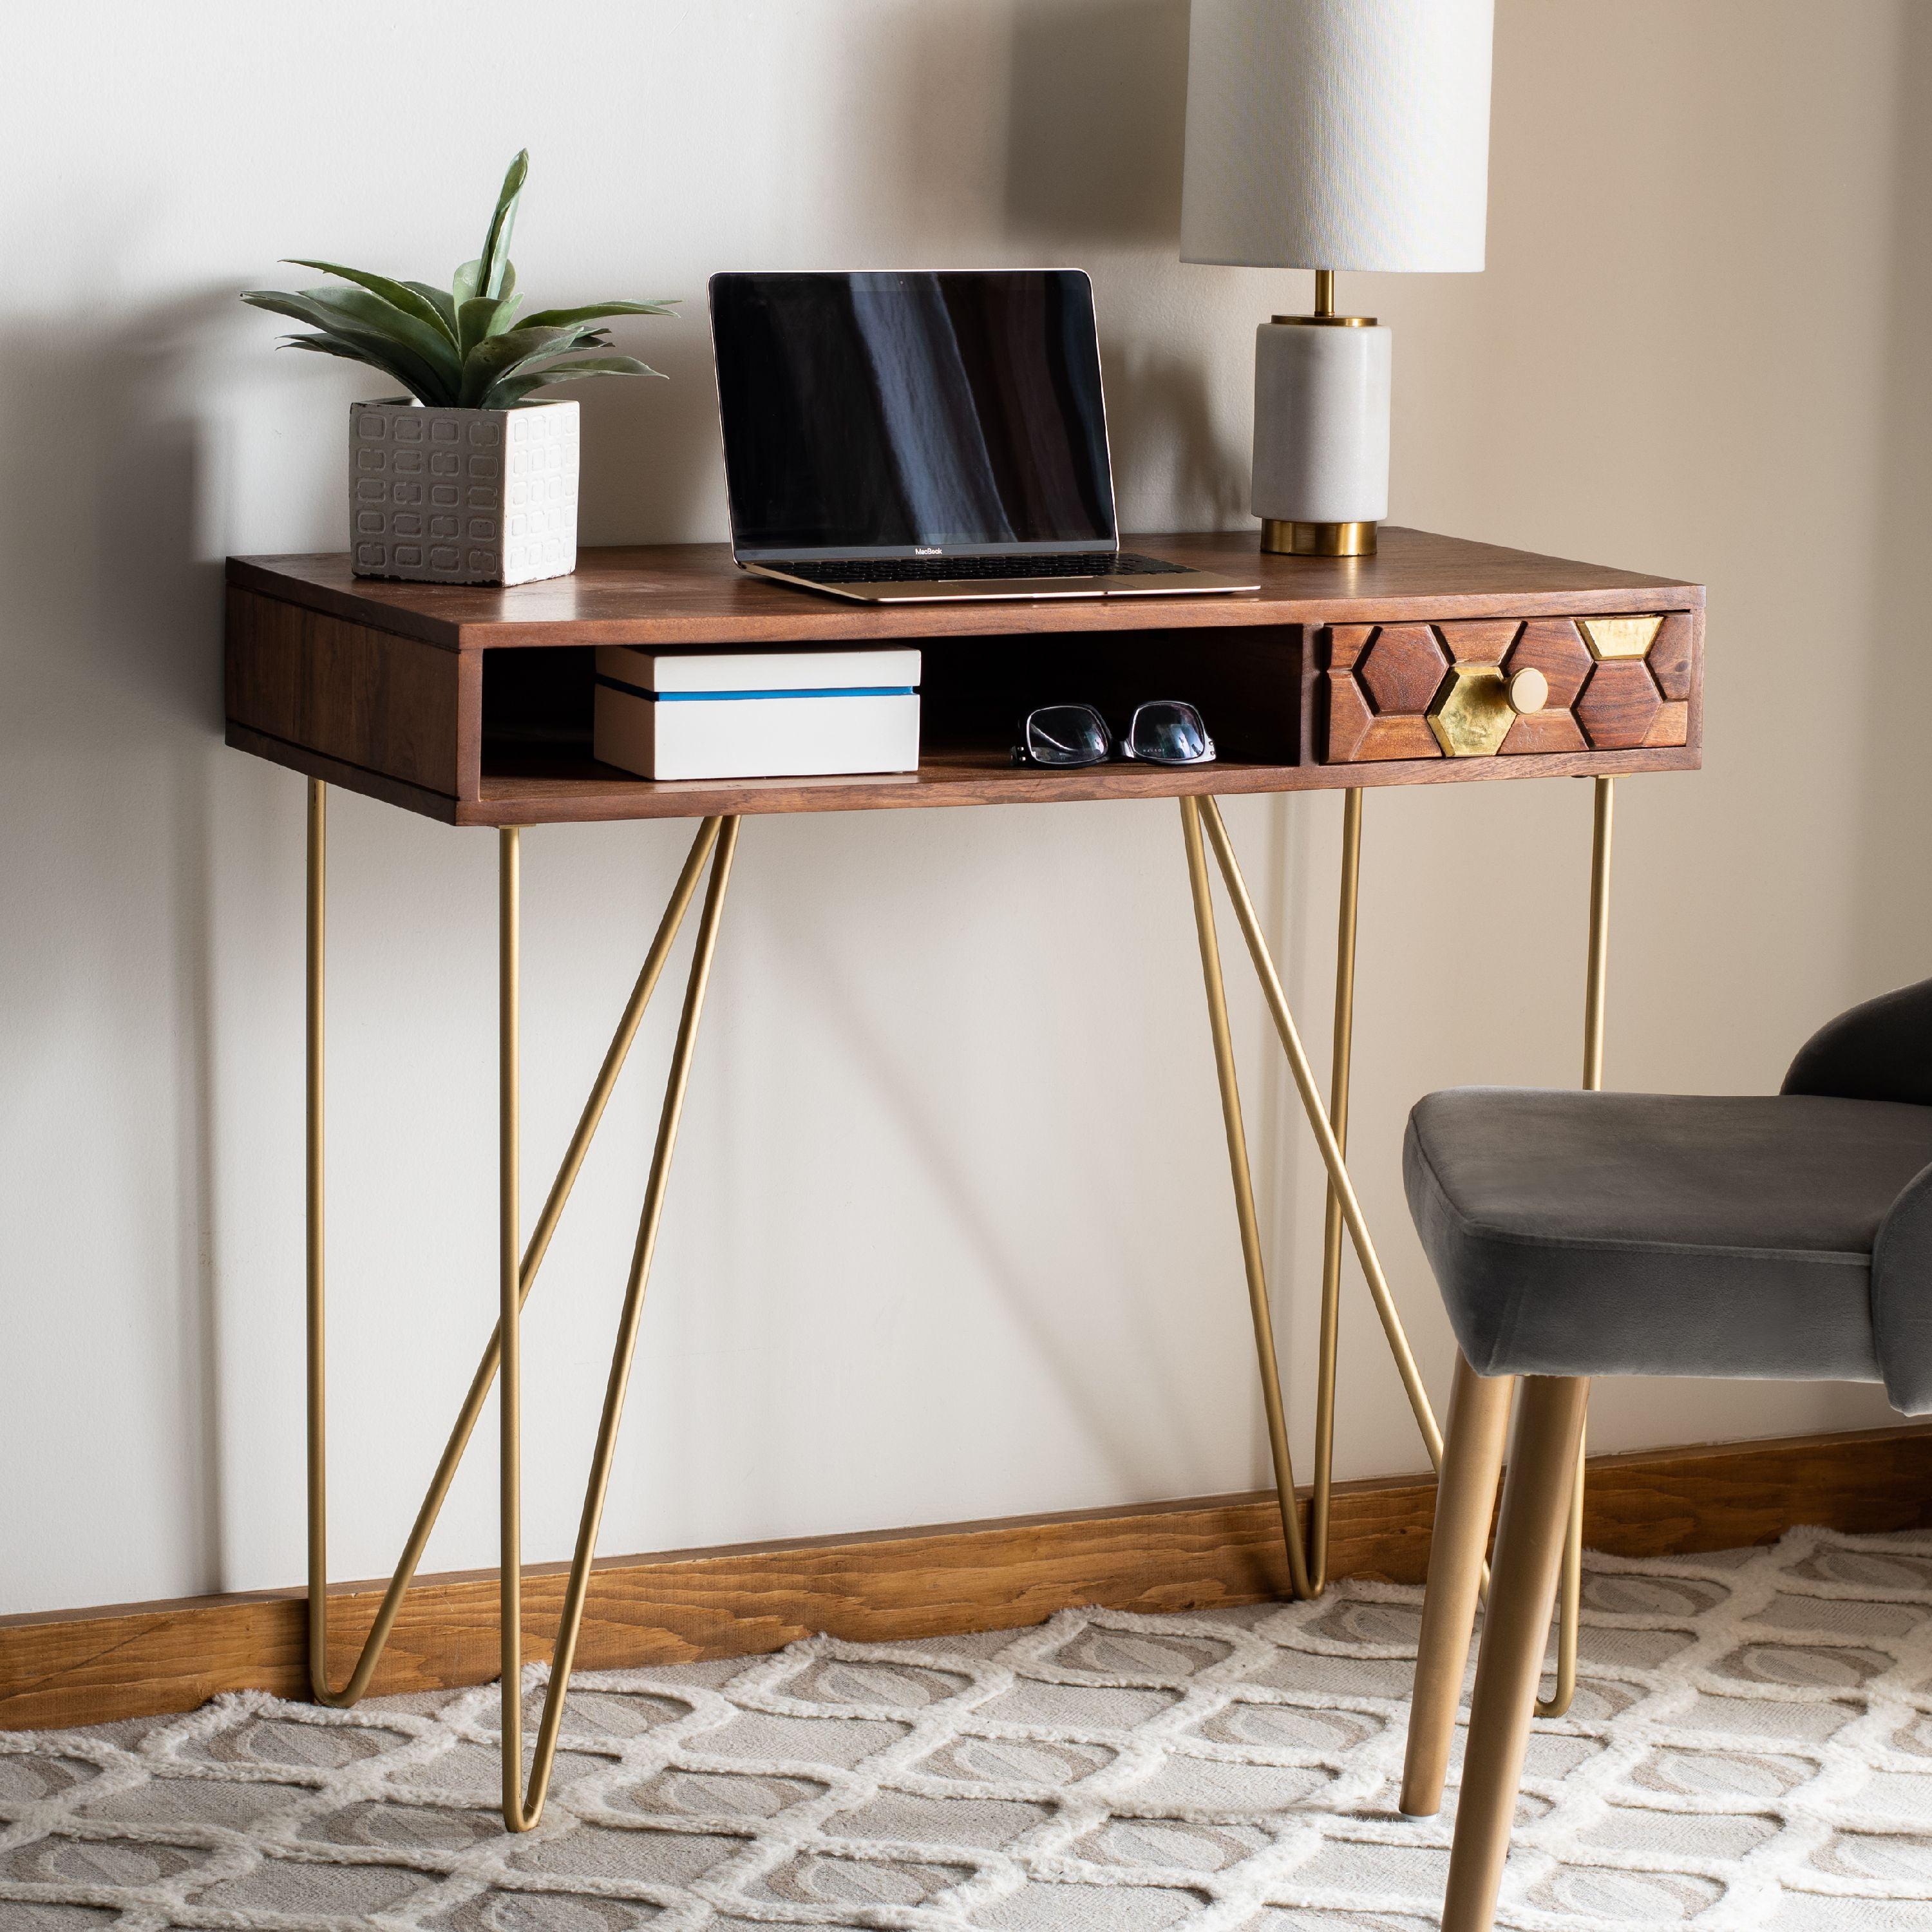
x: 1575, y: 1234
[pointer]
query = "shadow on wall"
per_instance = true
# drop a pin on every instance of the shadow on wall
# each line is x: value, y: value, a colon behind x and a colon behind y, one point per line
x: 114, y: 681
x: 1160, y: 424
x: 1893, y: 943
x: 156, y: 635
x: 1099, y: 109
x: 104, y: 484
x: 1094, y: 140
x: 159, y: 597
x: 1092, y: 163
x: 653, y: 462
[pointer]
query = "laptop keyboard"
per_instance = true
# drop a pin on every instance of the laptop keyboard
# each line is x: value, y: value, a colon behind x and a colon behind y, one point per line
x: 950, y: 569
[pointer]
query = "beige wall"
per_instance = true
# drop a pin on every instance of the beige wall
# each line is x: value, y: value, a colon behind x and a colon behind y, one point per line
x: 950, y: 1235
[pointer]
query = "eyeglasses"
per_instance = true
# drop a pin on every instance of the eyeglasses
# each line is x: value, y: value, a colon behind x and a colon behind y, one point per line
x: 1164, y: 731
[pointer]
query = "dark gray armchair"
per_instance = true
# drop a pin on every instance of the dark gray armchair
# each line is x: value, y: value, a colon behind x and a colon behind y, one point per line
x: 1579, y: 1234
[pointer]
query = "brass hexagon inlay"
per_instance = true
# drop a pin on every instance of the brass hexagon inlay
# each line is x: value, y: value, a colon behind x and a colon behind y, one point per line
x: 1471, y: 714
x: 1619, y: 637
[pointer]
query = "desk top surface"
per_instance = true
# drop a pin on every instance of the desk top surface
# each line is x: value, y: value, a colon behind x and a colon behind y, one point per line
x: 693, y: 594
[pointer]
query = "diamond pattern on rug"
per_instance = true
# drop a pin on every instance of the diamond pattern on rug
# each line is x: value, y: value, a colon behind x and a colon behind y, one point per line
x: 1750, y: 1747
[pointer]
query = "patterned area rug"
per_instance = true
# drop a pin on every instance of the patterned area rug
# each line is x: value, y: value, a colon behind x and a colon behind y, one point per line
x: 1751, y: 1746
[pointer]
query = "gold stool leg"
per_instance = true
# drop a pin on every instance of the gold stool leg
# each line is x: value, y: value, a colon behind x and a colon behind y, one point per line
x: 1244, y: 1196
x: 521, y: 1812
x: 1542, y: 1479
x: 1465, y: 1500
x: 1340, y: 1057
x: 1569, y: 1608
x: 481, y: 1383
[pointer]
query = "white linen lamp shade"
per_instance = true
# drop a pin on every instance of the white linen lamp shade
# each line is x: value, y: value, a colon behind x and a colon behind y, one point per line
x: 1329, y: 134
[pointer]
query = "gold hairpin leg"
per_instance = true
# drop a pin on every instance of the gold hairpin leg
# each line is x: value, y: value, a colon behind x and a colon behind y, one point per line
x: 522, y: 1811
x: 1340, y: 1057
x: 481, y: 1383
x: 1244, y: 1196
x: 1202, y: 815
x: 1319, y: 1126
x: 1570, y: 1596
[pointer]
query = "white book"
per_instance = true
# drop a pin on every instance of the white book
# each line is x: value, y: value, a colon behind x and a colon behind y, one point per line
x: 756, y: 714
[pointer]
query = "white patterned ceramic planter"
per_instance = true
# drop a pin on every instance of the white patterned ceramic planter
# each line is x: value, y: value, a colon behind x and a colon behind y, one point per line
x: 462, y: 496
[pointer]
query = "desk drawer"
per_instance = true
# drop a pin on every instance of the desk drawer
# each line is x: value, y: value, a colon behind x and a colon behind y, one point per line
x: 1616, y: 682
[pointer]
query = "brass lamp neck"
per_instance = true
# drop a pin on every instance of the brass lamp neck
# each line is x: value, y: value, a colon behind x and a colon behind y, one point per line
x: 1325, y: 307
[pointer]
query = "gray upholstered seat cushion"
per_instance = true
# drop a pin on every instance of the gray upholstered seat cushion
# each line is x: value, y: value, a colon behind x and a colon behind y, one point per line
x: 1637, y: 1233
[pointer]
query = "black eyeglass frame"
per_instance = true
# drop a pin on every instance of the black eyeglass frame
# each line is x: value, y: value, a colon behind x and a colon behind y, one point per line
x: 1118, y: 746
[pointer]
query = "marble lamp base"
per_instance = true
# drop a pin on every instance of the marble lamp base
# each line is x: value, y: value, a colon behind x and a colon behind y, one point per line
x: 1321, y: 433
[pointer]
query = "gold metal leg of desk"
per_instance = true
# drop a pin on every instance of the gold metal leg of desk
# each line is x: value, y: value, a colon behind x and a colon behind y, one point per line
x: 1341, y: 1058
x: 1244, y: 1197
x: 1308, y: 1561
x: 715, y: 842
x: 716, y: 838
x: 1199, y: 817
x: 521, y: 1811
x: 1570, y: 1592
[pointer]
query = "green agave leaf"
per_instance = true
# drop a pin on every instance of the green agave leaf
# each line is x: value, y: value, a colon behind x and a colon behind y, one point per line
x: 431, y: 383
x: 397, y: 295
x: 467, y: 283
x: 439, y: 300
x: 476, y: 319
x: 513, y: 389
x: 325, y: 345
x: 551, y: 317
x: 483, y: 317
x: 496, y: 256
x: 420, y: 338
x: 502, y: 355
x: 331, y: 345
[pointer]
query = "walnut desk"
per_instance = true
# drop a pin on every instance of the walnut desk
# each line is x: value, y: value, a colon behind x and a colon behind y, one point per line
x: 473, y: 706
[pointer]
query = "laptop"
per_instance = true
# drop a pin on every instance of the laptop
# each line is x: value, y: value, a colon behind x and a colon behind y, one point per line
x: 925, y: 437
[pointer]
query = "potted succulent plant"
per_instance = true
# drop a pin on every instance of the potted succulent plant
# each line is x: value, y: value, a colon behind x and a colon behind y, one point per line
x: 473, y: 481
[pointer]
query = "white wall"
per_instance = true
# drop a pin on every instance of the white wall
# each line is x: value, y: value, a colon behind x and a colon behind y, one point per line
x: 950, y: 1234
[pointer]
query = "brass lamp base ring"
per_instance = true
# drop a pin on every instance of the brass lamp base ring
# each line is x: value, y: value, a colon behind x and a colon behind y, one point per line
x: 1282, y: 538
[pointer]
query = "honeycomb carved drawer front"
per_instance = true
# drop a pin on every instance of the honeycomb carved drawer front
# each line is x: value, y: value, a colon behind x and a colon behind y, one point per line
x: 1615, y: 683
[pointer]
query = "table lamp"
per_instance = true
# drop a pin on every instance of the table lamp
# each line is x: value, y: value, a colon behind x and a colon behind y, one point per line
x: 1329, y: 134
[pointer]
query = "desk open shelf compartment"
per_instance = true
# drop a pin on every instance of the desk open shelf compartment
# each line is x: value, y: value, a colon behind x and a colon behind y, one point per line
x: 1247, y: 684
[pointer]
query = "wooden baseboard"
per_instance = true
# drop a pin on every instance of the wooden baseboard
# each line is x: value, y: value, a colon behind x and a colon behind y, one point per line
x: 62, y: 1668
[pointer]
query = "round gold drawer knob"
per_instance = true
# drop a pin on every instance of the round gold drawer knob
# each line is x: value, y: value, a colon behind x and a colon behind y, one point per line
x: 1527, y: 691
x: 1476, y: 706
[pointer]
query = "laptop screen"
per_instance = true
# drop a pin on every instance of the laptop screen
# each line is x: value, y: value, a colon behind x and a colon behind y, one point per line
x: 903, y: 414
